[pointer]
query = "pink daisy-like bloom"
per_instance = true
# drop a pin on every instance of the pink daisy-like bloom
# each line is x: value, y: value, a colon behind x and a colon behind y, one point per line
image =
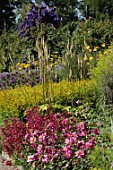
x: 80, y: 144
x: 66, y: 148
x: 83, y: 133
x: 45, y: 159
x: 80, y: 153
x: 39, y: 148
x: 96, y: 131
x: 81, y: 126
x: 68, y: 154
x: 30, y: 158
x: 65, y: 121
x: 32, y: 139
x: 41, y: 138
x: 90, y: 144
x: 67, y: 141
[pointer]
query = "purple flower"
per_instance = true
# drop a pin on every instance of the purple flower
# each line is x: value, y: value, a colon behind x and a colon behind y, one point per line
x: 32, y: 158
x: 41, y: 14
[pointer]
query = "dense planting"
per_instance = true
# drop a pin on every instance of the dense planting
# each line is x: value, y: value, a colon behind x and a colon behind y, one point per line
x: 56, y: 86
x: 49, y: 140
x: 15, y: 101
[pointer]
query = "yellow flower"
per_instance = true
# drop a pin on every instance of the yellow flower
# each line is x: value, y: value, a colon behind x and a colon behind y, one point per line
x: 90, y: 58
x: 51, y: 59
x: 18, y: 64
x: 90, y: 50
x: 88, y: 63
x: 55, y: 63
x: 36, y: 63
x: 59, y: 60
x: 20, y: 68
x: 27, y: 65
x: 85, y: 58
x: 88, y: 47
x: 103, y: 45
x: 22, y: 65
x: 56, y: 52
x: 105, y: 52
x: 95, y: 48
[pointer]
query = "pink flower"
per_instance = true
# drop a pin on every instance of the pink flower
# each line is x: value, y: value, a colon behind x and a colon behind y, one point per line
x: 83, y: 133
x: 65, y: 121
x: 39, y: 148
x: 96, y: 131
x: 30, y: 158
x: 81, y: 126
x: 90, y: 144
x: 68, y: 154
x: 8, y: 162
x: 80, y: 144
x: 41, y: 138
x: 45, y: 159
x: 72, y: 140
x: 67, y: 141
x: 80, y: 153
x: 52, y: 151
x: 32, y: 140
x: 76, y: 113
x: 27, y: 136
x: 66, y: 148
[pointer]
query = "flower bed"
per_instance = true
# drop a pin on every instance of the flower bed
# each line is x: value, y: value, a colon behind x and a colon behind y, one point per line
x: 50, y: 140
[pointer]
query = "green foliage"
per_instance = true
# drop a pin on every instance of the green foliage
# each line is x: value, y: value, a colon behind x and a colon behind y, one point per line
x: 102, y: 157
x: 103, y: 74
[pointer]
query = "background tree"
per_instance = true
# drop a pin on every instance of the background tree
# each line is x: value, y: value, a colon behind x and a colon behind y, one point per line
x: 7, y: 16
x: 96, y: 8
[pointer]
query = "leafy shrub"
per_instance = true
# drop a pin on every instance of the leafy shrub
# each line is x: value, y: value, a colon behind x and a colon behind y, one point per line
x: 104, y: 155
x: 14, y: 102
x: 52, y: 141
x: 103, y: 75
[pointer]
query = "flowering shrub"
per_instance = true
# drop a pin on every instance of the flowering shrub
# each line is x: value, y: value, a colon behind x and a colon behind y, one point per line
x: 13, y: 135
x: 52, y: 140
x: 38, y: 15
x: 8, y: 80
x: 16, y: 101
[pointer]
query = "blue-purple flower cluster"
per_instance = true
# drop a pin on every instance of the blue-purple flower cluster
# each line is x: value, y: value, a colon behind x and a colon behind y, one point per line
x: 13, y: 79
x: 38, y: 15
